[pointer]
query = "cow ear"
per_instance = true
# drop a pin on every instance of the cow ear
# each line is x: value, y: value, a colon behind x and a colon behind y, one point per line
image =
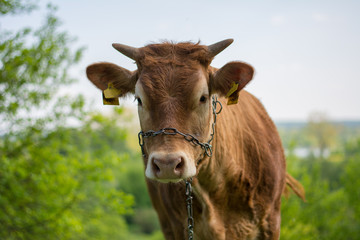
x: 103, y: 75
x: 230, y: 79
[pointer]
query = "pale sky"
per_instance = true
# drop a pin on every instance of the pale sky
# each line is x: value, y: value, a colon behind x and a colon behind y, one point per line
x: 306, y: 53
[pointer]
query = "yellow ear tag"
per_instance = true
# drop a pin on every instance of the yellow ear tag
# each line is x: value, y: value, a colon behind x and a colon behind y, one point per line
x: 233, y: 99
x: 233, y: 88
x: 111, y: 91
x: 233, y: 95
x: 110, y: 101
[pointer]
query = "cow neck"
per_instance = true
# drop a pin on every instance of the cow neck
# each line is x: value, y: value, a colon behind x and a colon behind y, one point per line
x: 206, y: 146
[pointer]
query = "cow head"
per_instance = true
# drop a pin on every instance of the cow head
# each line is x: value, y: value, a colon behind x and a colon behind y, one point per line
x: 173, y: 86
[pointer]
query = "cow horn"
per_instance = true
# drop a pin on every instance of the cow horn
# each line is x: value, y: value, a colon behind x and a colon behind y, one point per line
x: 216, y: 48
x: 128, y: 51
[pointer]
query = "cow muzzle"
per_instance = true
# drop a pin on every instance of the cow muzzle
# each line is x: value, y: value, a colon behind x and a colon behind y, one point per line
x: 169, y: 167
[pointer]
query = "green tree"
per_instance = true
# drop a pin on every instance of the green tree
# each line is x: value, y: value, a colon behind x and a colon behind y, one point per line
x: 321, y: 133
x: 34, y: 65
x: 53, y: 183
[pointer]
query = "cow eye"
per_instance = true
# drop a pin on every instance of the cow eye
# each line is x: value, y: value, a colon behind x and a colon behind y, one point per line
x: 203, y: 99
x: 139, y: 101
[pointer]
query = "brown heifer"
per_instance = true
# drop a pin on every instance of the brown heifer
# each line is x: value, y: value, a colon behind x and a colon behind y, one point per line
x: 237, y: 189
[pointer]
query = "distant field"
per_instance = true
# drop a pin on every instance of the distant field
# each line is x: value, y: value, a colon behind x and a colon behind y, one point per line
x: 301, y: 124
x: 329, y: 135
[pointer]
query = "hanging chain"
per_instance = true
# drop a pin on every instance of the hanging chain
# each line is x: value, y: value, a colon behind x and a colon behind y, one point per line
x: 190, y: 138
x: 190, y: 219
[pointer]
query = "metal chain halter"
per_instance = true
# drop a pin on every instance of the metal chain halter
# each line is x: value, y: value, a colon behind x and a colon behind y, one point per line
x: 190, y: 138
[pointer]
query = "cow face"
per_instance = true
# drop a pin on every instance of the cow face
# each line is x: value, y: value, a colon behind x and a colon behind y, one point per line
x: 180, y: 101
x: 173, y: 87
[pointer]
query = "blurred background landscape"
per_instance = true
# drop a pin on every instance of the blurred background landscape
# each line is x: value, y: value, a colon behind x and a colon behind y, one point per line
x: 72, y: 169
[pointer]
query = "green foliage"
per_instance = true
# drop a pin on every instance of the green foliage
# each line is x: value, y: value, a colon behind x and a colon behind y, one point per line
x: 56, y: 181
x: 34, y: 64
x: 332, y: 191
x: 351, y: 181
x: 51, y: 190
x: 16, y: 6
x: 144, y: 221
x: 133, y: 181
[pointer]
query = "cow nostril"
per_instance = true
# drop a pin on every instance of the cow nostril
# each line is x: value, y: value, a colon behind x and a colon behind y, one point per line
x: 179, y: 166
x: 155, y: 166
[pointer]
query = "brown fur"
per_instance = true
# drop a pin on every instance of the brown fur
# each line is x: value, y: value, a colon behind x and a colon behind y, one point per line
x: 238, y: 190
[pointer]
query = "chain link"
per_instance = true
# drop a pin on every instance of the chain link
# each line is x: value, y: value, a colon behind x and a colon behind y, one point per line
x: 189, y: 198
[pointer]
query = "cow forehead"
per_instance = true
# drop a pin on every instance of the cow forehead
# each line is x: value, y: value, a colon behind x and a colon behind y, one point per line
x: 172, y: 70
x: 179, y: 83
x: 173, y: 106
